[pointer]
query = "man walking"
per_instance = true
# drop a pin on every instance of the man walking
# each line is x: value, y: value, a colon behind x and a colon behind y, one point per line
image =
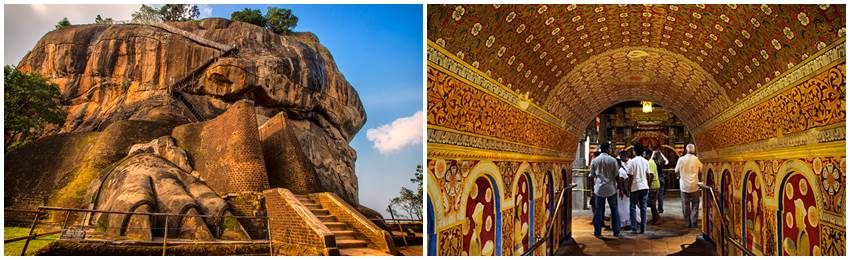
x: 638, y: 170
x: 603, y: 170
x: 688, y: 168
x: 654, y: 185
x: 660, y: 162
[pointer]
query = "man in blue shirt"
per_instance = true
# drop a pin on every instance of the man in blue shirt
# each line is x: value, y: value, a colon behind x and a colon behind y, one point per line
x: 603, y: 170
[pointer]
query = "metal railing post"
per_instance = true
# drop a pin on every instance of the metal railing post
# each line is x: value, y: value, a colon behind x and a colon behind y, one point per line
x: 32, y: 229
x: 269, y: 235
x: 165, y: 236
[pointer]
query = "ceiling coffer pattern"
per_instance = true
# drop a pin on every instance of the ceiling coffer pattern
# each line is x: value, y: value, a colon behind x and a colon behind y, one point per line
x: 574, y: 60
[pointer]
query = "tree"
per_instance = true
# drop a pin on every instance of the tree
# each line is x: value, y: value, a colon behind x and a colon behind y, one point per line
x: 411, y: 201
x: 99, y: 20
x: 252, y: 16
x: 146, y: 15
x: 63, y: 23
x: 280, y: 20
x: 178, y: 12
x: 30, y: 102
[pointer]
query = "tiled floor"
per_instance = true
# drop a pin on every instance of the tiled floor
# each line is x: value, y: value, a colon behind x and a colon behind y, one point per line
x: 670, y: 237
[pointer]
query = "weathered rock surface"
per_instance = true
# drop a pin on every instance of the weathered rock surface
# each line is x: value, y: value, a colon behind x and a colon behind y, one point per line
x: 113, y: 72
x: 166, y: 148
x: 109, y: 73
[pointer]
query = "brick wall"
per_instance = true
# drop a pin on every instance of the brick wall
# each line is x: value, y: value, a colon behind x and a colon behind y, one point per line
x: 285, y: 162
x: 226, y: 151
x: 378, y: 238
x: 250, y: 204
x: 294, y: 229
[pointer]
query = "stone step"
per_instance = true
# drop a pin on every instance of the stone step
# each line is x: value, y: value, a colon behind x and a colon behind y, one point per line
x: 350, y: 243
x: 327, y: 218
x: 318, y: 212
x: 346, y: 234
x: 312, y: 205
x: 336, y: 226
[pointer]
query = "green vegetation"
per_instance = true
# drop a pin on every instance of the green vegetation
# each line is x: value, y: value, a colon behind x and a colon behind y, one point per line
x: 166, y: 13
x: 278, y: 20
x: 100, y: 20
x: 31, y: 102
x: 410, y: 201
x: 14, y: 248
x: 178, y: 12
x: 63, y: 23
x: 252, y: 16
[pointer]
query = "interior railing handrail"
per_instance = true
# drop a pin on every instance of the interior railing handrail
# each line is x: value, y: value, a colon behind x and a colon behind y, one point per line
x: 539, y: 240
x: 723, y: 223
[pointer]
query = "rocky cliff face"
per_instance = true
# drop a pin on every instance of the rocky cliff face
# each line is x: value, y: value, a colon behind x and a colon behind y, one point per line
x: 113, y: 73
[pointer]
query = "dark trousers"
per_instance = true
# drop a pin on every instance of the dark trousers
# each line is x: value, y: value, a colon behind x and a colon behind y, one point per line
x: 599, y: 214
x: 653, y: 207
x: 661, y: 191
x: 638, y: 198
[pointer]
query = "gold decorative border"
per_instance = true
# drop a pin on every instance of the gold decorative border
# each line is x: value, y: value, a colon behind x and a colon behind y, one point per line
x: 442, y: 135
x: 466, y: 153
x: 441, y: 59
x: 809, y: 68
x: 822, y: 141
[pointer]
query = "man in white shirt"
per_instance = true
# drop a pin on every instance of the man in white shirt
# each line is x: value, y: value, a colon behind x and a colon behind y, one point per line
x: 638, y: 170
x: 688, y: 168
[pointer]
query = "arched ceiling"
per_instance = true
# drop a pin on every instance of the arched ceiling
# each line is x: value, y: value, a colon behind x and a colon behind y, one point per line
x: 576, y: 60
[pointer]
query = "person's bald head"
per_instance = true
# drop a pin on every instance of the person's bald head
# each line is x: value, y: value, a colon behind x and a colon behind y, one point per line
x: 691, y: 148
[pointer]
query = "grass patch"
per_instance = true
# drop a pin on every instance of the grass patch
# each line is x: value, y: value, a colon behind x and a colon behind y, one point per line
x: 14, y: 248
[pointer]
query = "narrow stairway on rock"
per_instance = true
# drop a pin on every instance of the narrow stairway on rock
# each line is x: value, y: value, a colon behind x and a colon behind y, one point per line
x: 348, y: 240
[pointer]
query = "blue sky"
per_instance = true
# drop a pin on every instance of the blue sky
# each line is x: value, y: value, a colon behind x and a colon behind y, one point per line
x: 377, y: 47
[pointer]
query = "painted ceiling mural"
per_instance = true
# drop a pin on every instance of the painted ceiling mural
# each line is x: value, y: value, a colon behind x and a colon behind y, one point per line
x: 575, y: 60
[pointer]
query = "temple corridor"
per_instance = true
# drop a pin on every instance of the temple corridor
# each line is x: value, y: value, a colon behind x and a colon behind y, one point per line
x: 520, y: 97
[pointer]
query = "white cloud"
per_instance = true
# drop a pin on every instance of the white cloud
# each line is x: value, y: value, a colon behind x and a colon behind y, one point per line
x: 205, y: 11
x: 24, y: 25
x: 397, y: 135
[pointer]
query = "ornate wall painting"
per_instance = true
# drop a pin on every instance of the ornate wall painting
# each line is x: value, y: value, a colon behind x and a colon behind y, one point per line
x: 481, y: 224
x: 524, y: 206
x: 753, y: 214
x: 832, y: 183
x: 450, y: 241
x: 508, y: 232
x: 799, y: 217
x: 451, y: 176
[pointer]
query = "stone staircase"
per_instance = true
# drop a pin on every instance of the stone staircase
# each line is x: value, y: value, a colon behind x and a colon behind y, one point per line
x: 348, y: 240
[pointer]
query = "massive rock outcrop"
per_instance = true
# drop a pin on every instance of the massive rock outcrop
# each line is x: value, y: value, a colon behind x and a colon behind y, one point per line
x: 185, y: 72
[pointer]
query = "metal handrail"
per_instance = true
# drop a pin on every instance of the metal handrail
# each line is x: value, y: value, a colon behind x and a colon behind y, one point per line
x: 723, y: 222
x: 540, y: 240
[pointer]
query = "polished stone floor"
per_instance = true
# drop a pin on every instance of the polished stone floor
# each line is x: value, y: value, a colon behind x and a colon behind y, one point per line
x: 669, y: 237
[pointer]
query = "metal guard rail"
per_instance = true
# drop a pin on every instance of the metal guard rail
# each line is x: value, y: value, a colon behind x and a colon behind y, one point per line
x: 723, y: 222
x: 540, y: 240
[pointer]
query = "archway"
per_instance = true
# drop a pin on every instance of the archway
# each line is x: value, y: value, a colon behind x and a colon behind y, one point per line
x: 708, y: 207
x: 482, y: 229
x: 798, y: 230
x: 726, y: 208
x: 753, y: 215
x: 523, y: 212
